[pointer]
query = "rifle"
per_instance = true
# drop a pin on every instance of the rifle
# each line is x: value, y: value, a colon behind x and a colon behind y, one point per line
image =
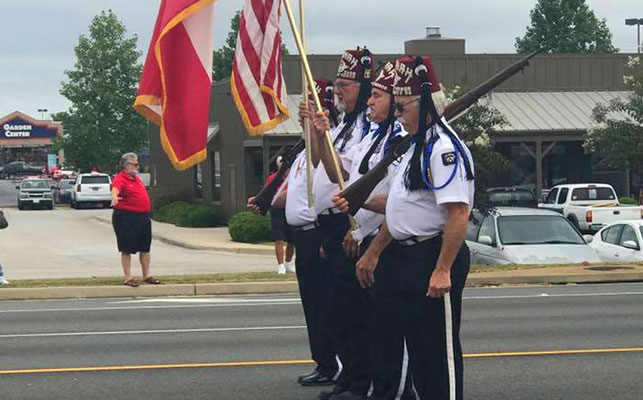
x: 263, y: 199
x: 358, y: 192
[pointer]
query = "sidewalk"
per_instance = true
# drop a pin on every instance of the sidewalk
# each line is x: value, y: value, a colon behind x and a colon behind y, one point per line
x: 528, y: 276
x: 212, y: 239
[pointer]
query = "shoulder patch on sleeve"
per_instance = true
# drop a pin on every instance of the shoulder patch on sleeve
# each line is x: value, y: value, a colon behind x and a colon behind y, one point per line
x: 448, y: 158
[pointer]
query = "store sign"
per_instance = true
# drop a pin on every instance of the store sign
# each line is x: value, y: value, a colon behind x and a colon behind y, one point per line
x: 19, y: 128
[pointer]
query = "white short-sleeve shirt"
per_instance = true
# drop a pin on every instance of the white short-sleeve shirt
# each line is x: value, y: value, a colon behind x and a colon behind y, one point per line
x: 323, y: 187
x: 369, y: 221
x: 297, y: 211
x: 423, y: 212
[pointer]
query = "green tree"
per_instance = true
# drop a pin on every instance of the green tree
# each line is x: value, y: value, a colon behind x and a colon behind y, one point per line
x: 619, y: 139
x: 223, y: 57
x: 491, y: 167
x: 101, y: 124
x: 565, y: 26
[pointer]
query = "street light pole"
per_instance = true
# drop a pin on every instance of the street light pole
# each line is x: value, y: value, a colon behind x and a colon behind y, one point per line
x: 42, y: 112
x: 638, y: 22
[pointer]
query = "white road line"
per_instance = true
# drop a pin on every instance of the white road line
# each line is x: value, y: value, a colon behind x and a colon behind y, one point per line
x: 548, y: 295
x: 148, y: 332
x: 36, y: 310
x: 295, y: 301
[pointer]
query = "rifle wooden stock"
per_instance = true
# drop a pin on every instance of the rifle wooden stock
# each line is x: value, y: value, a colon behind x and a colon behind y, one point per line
x: 358, y: 192
x: 263, y: 199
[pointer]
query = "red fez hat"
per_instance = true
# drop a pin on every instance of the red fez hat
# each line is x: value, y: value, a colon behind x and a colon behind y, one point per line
x: 355, y: 65
x: 325, y: 91
x: 385, y: 78
x: 410, y: 72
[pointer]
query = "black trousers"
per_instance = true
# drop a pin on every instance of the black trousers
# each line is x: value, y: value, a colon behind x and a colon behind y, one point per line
x: 351, y: 308
x: 426, y: 320
x: 312, y: 276
x: 392, y: 378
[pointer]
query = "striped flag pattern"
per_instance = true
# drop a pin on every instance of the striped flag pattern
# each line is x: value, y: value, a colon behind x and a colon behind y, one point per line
x: 174, y: 90
x: 257, y: 83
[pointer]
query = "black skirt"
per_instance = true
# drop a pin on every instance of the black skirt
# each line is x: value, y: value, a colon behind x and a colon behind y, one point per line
x: 133, y: 231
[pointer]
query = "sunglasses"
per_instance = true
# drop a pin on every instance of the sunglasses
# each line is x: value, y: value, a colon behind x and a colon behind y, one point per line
x: 399, y: 107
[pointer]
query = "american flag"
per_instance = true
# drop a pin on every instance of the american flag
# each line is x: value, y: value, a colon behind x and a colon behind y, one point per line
x: 257, y: 83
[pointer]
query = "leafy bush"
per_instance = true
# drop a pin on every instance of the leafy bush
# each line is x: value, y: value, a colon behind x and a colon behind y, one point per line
x: 627, y: 200
x: 163, y: 196
x: 181, y: 213
x: 249, y: 228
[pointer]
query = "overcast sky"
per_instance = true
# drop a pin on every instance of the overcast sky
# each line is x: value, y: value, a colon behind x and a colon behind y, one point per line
x: 38, y: 36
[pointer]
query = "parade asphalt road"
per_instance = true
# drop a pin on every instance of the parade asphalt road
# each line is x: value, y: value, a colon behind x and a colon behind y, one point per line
x: 562, y: 342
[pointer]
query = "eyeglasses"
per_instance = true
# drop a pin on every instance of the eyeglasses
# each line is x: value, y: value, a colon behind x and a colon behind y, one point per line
x: 399, y: 107
x: 134, y: 164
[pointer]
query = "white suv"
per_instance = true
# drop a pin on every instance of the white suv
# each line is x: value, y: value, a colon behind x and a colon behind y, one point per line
x: 92, y: 188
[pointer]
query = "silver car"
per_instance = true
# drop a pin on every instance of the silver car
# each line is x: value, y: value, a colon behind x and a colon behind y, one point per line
x: 513, y: 235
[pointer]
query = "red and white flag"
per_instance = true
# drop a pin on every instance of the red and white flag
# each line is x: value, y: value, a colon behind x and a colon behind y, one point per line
x: 257, y: 83
x: 174, y: 90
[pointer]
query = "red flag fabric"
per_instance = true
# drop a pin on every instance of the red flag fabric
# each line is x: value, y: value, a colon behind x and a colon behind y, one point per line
x: 174, y: 90
x: 257, y: 83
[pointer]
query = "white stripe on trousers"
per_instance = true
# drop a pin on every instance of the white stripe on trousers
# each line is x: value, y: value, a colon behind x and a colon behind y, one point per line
x: 405, y: 366
x: 340, y: 366
x: 448, y: 323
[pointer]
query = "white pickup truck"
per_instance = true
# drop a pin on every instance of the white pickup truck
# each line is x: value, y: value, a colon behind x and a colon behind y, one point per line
x: 590, y: 206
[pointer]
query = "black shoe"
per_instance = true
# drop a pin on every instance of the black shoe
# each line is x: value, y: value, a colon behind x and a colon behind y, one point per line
x: 348, y: 395
x: 326, y: 395
x: 304, y: 376
x: 316, y: 379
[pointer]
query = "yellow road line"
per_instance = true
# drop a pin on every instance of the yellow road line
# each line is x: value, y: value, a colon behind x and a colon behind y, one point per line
x: 296, y: 362
x: 147, y: 367
x: 554, y: 352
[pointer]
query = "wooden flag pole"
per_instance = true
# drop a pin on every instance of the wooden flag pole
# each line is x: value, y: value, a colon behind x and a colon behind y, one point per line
x: 318, y: 106
x: 307, y: 138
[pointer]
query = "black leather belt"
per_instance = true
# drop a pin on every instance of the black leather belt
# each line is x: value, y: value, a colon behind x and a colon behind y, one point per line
x: 331, y: 211
x: 305, y: 228
x: 415, y: 240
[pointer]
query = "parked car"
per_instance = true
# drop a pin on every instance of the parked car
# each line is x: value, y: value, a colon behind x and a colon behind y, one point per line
x: 509, y: 197
x: 590, y: 206
x: 92, y: 188
x: 63, y: 189
x: 34, y: 192
x: 21, y: 168
x: 620, y: 242
x: 513, y: 235
x: 62, y: 174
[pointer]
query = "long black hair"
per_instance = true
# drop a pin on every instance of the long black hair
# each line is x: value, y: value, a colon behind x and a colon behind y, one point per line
x: 413, y: 178
x: 384, y: 129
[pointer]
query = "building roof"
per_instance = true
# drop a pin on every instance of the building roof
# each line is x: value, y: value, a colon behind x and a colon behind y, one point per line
x: 291, y: 125
x: 532, y: 112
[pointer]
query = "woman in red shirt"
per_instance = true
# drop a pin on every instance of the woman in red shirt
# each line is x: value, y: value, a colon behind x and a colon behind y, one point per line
x: 131, y: 219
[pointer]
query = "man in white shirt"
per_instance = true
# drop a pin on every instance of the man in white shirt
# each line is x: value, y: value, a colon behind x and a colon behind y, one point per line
x: 311, y: 269
x: 426, y: 219
x: 349, y: 300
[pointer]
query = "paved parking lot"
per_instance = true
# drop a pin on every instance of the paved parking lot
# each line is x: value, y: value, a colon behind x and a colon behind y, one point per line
x: 67, y: 243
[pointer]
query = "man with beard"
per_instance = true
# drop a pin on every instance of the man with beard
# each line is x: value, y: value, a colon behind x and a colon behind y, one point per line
x: 349, y: 302
x: 427, y: 213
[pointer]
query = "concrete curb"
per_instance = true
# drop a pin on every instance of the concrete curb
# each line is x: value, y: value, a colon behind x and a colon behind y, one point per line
x: 203, y: 289
x: 614, y: 277
x: 185, y: 245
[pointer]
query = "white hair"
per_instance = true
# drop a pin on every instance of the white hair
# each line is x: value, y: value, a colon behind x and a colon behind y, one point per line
x: 126, y: 158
